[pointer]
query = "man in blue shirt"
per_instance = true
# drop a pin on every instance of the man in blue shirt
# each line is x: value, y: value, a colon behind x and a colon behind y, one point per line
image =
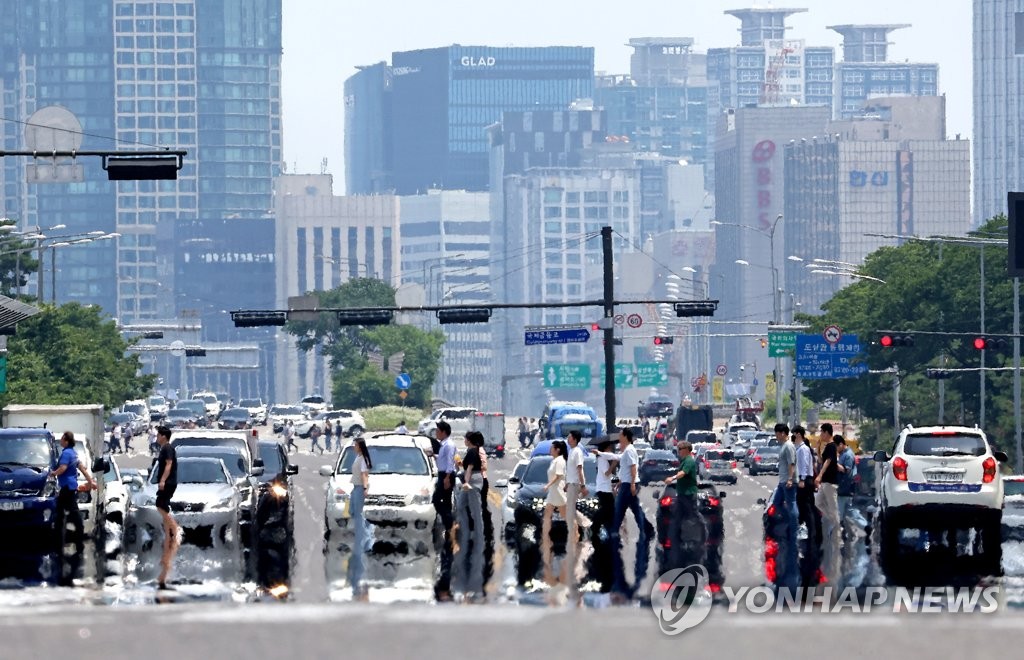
x: 66, y: 474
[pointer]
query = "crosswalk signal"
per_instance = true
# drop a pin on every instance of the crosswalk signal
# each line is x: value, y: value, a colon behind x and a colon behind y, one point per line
x: 993, y: 343
x: 662, y: 340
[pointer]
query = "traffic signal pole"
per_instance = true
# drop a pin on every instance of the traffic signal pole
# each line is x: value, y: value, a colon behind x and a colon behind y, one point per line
x: 981, y: 374
x: 609, y: 330
x: 1016, y: 375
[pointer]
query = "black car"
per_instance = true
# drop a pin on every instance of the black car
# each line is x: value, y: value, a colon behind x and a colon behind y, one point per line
x: 529, y: 514
x: 686, y: 550
x: 656, y: 406
x: 181, y: 418
x: 657, y: 465
x: 274, y: 519
x: 235, y: 419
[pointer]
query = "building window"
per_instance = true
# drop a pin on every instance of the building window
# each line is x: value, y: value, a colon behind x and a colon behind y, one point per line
x: 371, y: 257
x: 1018, y: 33
x: 553, y: 195
x: 552, y: 211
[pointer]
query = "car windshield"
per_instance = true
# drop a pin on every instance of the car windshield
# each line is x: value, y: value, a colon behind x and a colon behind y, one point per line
x: 235, y: 413
x: 136, y: 408
x: 272, y: 464
x: 233, y: 459
x: 238, y: 444
x: 313, y: 399
x: 198, y: 471
x: 659, y: 455
x: 25, y: 450
x: 700, y: 437
x: 120, y: 418
x: 587, y: 429
x: 193, y: 405
x: 157, y: 401
x: 768, y: 451
x: 286, y: 410
x: 250, y: 403
x: 944, y: 444
x: 388, y: 460
x: 1013, y: 487
x: 181, y: 413
x: 537, y: 470
x: 719, y: 455
x: 112, y: 475
x: 208, y: 398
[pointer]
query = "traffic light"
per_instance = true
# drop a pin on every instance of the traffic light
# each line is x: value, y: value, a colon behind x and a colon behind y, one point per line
x: 993, y: 343
x: 154, y: 334
x: 368, y: 317
x: 696, y: 308
x: 465, y: 315
x: 763, y: 342
x: 938, y: 374
x: 255, y: 319
x: 889, y: 341
x: 662, y: 340
x: 195, y: 352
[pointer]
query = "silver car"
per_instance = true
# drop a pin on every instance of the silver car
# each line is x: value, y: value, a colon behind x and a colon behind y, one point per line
x: 205, y: 505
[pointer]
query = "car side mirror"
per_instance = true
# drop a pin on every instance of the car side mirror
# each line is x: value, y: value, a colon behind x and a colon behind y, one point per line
x: 513, y: 480
x: 258, y: 463
x: 881, y: 457
x: 1001, y: 456
x: 128, y: 481
x: 257, y: 471
x: 326, y: 471
x: 291, y: 469
x: 501, y: 483
x: 100, y: 464
x: 655, y: 495
x: 762, y: 501
x: 721, y: 494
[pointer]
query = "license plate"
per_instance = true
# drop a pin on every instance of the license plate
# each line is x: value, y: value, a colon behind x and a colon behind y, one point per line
x: 12, y: 506
x: 944, y: 477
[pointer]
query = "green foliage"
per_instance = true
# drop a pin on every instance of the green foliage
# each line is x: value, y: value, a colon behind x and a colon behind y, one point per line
x: 356, y: 381
x: 17, y: 260
x: 929, y: 287
x: 387, y: 418
x: 72, y: 355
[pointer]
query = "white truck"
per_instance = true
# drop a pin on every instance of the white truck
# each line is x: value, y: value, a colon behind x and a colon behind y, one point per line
x: 460, y: 419
x: 492, y: 425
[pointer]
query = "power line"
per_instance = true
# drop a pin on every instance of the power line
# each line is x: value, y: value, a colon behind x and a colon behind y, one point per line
x: 82, y: 133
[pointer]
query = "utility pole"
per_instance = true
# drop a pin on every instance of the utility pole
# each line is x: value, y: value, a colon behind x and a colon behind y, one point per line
x: 1016, y: 374
x: 609, y: 330
x: 981, y: 374
x: 896, y: 400
x: 942, y: 394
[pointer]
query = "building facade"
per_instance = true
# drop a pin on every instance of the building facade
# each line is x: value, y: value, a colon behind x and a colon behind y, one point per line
x: 446, y: 250
x: 866, y: 71
x: 322, y: 241
x: 443, y: 99
x: 998, y: 112
x: 894, y: 173
x: 368, y: 131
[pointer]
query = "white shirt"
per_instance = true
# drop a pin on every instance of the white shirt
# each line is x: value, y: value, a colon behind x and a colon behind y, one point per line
x: 572, y: 475
x: 804, y: 467
x: 627, y: 459
x: 402, y: 429
x: 604, y: 461
x: 358, y: 470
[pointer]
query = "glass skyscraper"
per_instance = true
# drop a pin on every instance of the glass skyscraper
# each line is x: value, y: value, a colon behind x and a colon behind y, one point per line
x: 443, y: 99
x: 368, y: 131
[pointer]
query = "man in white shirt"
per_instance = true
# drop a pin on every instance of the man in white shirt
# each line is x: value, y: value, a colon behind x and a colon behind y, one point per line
x: 575, y: 485
x: 805, y: 489
x: 627, y: 499
x: 401, y: 428
x: 600, y: 533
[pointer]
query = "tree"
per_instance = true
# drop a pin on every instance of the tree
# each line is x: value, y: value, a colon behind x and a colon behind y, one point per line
x: 356, y: 381
x: 929, y: 287
x: 16, y: 259
x: 72, y: 355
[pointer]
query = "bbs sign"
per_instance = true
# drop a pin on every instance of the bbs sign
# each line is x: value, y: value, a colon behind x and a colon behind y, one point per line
x: 762, y: 157
x: 471, y: 61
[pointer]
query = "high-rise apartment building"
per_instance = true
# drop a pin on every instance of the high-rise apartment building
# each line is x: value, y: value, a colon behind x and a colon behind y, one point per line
x: 368, y: 131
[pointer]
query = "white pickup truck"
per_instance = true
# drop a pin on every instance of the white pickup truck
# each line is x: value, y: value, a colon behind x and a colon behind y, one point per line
x: 460, y: 419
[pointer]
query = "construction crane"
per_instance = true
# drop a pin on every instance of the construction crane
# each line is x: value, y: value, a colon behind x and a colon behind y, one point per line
x: 772, y: 87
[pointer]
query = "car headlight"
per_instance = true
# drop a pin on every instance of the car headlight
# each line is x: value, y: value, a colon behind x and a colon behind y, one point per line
x: 223, y: 504
x: 423, y: 497
x: 279, y: 490
x: 340, y: 495
x: 538, y: 503
x: 50, y: 489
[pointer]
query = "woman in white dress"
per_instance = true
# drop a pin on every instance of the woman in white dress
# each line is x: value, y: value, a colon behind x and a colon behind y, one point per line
x: 555, y: 500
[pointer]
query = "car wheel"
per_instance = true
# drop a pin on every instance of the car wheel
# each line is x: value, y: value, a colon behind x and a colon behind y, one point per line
x: 355, y: 430
x: 991, y: 558
x: 889, y: 547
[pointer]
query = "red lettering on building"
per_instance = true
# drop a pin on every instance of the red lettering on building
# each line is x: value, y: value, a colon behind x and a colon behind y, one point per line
x: 763, y: 151
x: 764, y: 199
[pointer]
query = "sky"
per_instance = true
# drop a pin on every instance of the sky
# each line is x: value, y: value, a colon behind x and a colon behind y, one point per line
x: 324, y: 40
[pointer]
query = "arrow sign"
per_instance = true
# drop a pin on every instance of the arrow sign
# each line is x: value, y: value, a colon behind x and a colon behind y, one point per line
x: 556, y: 335
x: 403, y: 381
x: 567, y: 376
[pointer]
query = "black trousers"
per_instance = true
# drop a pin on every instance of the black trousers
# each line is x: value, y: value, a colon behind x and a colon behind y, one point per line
x: 600, y: 536
x: 443, y: 505
x: 67, y: 510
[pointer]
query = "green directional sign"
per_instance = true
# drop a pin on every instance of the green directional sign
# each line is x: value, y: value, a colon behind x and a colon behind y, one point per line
x: 567, y: 376
x: 3, y: 374
x: 781, y: 344
x: 623, y: 375
x: 651, y: 374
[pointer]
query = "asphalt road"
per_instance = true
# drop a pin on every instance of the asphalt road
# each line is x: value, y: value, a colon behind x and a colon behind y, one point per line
x: 221, y: 617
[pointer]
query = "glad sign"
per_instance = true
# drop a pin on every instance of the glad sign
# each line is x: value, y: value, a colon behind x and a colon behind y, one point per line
x: 469, y: 60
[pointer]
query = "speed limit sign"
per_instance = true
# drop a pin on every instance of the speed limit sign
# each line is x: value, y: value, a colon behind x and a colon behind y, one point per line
x: 634, y: 320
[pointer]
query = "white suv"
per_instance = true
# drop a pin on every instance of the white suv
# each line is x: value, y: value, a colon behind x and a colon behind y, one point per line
x: 398, y: 503
x: 940, y: 480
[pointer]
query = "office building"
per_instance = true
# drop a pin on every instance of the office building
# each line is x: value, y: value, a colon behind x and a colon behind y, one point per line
x: 446, y: 250
x: 998, y: 115
x: 443, y: 99
x: 866, y: 72
x: 749, y: 188
x: 892, y: 172
x: 368, y: 131
x: 321, y: 241
x: 661, y: 106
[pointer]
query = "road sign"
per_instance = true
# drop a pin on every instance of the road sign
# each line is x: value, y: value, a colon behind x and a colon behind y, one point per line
x: 819, y: 359
x: 556, y: 334
x: 721, y: 370
x: 567, y: 376
x: 623, y: 375
x: 718, y: 389
x: 781, y: 343
x: 634, y: 320
x: 403, y: 381
x: 651, y: 374
x: 403, y: 394
x: 832, y: 334
x: 3, y: 374
x: 619, y: 319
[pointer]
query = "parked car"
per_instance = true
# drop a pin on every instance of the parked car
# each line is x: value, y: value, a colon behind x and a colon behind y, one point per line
x: 257, y: 410
x: 656, y: 465
x: 234, y: 419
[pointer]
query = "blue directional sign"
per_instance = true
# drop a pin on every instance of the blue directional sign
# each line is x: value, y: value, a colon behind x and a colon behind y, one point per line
x: 817, y: 359
x: 403, y: 381
x: 556, y: 334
